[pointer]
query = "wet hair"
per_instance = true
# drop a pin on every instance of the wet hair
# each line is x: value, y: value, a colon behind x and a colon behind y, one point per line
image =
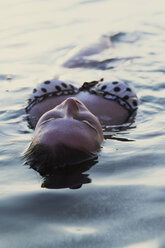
x: 42, y: 159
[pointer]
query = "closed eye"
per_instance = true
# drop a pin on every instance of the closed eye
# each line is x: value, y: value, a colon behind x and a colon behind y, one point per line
x: 47, y: 121
x: 89, y: 124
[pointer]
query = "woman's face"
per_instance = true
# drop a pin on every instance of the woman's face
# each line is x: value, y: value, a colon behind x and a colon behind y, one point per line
x: 70, y: 123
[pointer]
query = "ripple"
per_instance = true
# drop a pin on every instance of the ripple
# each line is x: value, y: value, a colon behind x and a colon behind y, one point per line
x: 147, y: 244
x: 79, y: 230
x: 6, y: 77
x: 121, y: 202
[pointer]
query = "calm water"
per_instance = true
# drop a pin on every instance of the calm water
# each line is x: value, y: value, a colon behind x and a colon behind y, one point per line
x: 122, y: 200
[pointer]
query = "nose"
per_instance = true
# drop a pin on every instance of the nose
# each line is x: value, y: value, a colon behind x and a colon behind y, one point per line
x: 71, y: 106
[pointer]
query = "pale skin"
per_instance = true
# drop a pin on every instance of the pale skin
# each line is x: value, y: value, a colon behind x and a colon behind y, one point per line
x: 72, y: 123
x: 67, y: 119
x: 107, y: 111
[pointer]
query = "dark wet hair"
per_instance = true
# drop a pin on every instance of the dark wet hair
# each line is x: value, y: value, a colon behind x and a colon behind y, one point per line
x: 42, y: 159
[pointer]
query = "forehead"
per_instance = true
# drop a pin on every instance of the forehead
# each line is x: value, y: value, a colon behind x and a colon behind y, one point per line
x: 70, y: 132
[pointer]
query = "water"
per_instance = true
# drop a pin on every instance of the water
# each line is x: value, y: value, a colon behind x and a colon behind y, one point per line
x: 121, y: 203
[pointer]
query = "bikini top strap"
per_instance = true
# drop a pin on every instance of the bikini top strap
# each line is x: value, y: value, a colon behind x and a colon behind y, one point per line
x: 88, y: 85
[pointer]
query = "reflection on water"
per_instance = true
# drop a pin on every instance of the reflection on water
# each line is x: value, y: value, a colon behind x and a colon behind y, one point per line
x: 71, y: 177
x: 121, y: 199
x: 80, y: 230
x: 149, y: 244
x: 106, y: 64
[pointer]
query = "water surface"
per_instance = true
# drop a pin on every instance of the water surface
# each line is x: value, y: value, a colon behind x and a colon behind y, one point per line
x: 121, y: 201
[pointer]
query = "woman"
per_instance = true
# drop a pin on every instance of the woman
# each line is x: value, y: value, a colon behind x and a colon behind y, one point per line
x: 67, y: 120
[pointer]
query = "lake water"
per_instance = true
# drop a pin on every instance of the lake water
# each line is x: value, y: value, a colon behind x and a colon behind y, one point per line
x: 121, y: 203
